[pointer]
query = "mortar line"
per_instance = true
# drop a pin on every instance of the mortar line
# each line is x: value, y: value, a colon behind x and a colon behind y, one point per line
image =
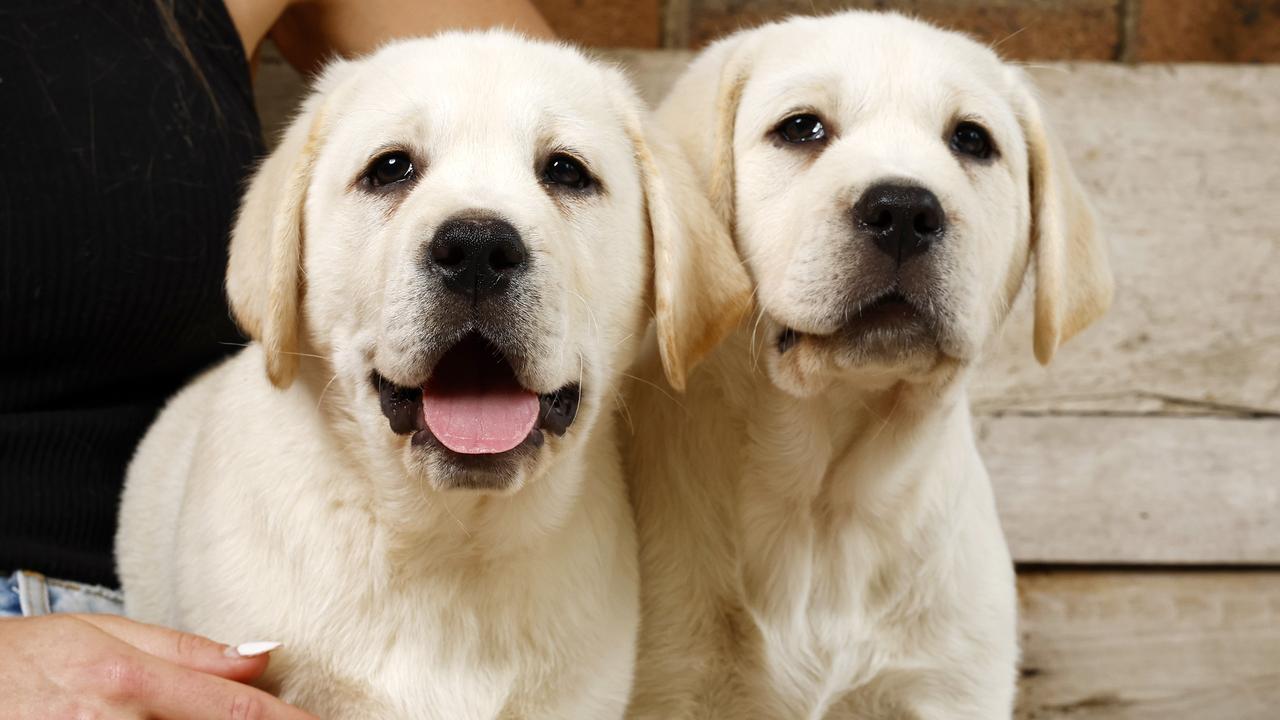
x: 1128, y: 18
x: 676, y: 16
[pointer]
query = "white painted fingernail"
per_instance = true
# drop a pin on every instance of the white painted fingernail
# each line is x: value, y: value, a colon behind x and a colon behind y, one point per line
x: 251, y: 649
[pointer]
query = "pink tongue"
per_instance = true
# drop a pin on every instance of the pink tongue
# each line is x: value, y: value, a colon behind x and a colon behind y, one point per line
x: 492, y: 422
x: 473, y: 404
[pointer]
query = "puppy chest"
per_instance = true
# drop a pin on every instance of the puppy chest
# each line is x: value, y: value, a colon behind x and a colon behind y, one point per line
x: 807, y: 665
x: 837, y: 622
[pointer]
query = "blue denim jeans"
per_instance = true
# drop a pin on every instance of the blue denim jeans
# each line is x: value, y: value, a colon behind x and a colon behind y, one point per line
x: 27, y: 594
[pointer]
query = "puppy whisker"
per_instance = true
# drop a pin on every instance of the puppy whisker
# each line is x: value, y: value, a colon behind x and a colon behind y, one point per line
x: 282, y: 352
x: 756, y: 347
x: 621, y: 403
x: 659, y: 388
x: 1006, y: 38
x: 884, y: 423
x: 449, y: 511
x: 591, y: 315
x: 324, y: 390
x: 1038, y: 66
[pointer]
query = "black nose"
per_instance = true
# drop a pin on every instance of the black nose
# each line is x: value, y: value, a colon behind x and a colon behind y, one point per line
x: 477, y: 256
x: 902, y: 220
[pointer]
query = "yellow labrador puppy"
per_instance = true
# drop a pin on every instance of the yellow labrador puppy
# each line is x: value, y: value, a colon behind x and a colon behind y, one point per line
x: 818, y: 536
x: 411, y: 476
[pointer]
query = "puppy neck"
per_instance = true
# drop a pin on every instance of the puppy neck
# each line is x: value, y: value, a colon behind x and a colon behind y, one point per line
x: 850, y: 454
x: 847, y: 410
x: 853, y: 472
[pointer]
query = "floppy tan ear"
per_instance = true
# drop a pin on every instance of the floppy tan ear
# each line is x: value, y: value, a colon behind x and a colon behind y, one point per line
x: 1074, y: 284
x: 701, y: 113
x: 264, y: 283
x: 700, y: 289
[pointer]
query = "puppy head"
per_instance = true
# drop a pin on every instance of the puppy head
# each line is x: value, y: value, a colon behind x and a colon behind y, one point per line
x: 888, y: 183
x: 463, y: 231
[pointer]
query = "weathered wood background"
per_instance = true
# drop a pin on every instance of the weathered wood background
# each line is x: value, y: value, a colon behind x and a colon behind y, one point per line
x: 1138, y: 476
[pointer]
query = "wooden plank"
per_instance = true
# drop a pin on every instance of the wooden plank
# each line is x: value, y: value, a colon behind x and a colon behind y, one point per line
x: 652, y: 71
x: 1144, y: 490
x: 1163, y: 646
x: 1183, y: 166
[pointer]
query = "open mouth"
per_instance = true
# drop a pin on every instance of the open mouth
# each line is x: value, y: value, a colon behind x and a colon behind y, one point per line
x: 474, y: 405
x: 889, y: 314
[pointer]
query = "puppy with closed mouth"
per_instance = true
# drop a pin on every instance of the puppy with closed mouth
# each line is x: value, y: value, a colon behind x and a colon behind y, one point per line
x: 410, y: 477
x: 818, y: 533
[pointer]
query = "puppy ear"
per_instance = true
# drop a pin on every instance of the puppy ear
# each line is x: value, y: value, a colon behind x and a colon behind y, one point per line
x: 1074, y: 284
x: 700, y: 289
x: 701, y: 112
x: 264, y: 281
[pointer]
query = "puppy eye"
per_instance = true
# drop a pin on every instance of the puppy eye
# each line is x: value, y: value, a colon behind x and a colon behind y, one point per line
x: 389, y: 169
x: 802, y: 128
x: 970, y: 138
x: 564, y: 170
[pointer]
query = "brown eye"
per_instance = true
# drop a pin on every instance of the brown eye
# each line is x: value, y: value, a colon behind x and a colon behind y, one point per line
x: 802, y: 128
x: 389, y: 169
x: 566, y: 171
x: 970, y: 138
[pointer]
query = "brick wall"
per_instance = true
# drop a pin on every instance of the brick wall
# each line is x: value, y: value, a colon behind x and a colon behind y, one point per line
x: 1127, y: 30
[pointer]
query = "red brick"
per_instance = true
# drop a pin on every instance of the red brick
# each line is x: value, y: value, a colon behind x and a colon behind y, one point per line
x: 1206, y: 30
x: 1021, y: 29
x: 605, y: 23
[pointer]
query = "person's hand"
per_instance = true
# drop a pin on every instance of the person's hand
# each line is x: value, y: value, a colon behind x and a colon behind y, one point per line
x: 107, y: 667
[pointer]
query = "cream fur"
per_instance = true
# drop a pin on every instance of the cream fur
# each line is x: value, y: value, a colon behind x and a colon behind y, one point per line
x: 270, y: 501
x: 818, y: 533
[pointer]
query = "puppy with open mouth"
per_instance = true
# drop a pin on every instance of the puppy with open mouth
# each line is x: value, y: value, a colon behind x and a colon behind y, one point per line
x: 818, y: 534
x: 410, y: 477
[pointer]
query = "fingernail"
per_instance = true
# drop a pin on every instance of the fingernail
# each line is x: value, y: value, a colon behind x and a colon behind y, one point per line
x: 251, y: 649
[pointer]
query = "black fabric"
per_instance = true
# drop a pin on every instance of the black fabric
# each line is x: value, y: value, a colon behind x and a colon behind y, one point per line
x: 120, y: 173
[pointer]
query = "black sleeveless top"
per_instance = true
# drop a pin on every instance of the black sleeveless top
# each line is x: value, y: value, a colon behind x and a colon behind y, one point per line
x: 120, y: 171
